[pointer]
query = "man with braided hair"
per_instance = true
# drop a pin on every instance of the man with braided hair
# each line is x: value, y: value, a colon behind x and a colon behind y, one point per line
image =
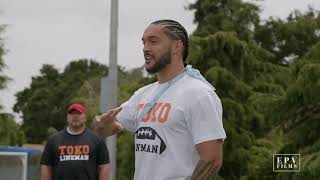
x: 177, y: 120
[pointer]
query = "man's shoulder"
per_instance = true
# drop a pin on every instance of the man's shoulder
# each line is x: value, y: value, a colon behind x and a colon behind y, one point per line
x: 144, y: 89
x: 92, y: 135
x: 89, y: 132
x: 193, y: 85
x: 57, y: 137
x: 59, y: 134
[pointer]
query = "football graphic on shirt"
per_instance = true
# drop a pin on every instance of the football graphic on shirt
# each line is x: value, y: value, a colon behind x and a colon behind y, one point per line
x: 147, y: 140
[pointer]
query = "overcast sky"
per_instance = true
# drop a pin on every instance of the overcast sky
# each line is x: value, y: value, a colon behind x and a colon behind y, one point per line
x: 59, y: 31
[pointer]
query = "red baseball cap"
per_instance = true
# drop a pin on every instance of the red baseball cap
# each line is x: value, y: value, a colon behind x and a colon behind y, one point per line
x: 77, y: 107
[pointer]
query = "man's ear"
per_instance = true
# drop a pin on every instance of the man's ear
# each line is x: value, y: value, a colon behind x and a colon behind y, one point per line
x: 177, y: 47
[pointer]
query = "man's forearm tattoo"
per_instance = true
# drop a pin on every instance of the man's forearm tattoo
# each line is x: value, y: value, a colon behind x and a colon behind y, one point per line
x: 205, y: 170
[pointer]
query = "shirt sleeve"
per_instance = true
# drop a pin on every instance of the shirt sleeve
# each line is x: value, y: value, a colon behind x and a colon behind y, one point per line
x: 47, y: 154
x: 102, y: 153
x: 126, y: 116
x: 204, y: 119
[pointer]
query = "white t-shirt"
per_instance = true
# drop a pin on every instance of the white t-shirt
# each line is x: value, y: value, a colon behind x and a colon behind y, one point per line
x: 188, y: 113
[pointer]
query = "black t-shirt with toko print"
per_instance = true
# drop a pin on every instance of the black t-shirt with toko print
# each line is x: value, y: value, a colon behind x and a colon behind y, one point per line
x: 75, y: 157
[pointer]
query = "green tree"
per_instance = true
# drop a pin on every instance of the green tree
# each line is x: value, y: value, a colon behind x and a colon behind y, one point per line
x: 10, y: 132
x: 43, y: 104
x: 225, y: 15
x: 290, y: 38
x: 249, y: 84
x: 3, y: 78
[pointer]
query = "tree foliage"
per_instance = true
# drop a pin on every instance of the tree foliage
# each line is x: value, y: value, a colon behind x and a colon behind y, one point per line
x: 267, y: 75
x: 43, y: 105
x: 3, y: 78
x: 290, y: 38
x: 225, y: 15
x: 10, y: 131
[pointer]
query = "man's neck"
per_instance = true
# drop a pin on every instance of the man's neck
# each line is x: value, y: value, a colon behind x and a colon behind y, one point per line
x: 170, y: 72
x: 74, y: 131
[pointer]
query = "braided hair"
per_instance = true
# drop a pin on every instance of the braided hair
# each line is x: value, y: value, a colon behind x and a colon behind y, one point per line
x: 176, y: 31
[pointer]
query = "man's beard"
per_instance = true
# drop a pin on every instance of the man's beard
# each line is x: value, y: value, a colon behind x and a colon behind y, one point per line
x: 76, y: 123
x: 163, y: 61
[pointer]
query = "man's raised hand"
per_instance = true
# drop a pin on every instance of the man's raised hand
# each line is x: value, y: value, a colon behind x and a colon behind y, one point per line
x: 106, y: 124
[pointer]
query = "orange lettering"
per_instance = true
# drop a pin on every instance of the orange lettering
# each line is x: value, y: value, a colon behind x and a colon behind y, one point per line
x: 139, y: 107
x: 77, y: 150
x: 69, y: 149
x: 147, y: 118
x: 61, y: 149
x: 154, y: 110
x: 166, y: 109
x: 85, y: 149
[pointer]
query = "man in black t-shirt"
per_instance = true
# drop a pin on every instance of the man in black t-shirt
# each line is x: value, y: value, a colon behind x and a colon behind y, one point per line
x: 75, y: 153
